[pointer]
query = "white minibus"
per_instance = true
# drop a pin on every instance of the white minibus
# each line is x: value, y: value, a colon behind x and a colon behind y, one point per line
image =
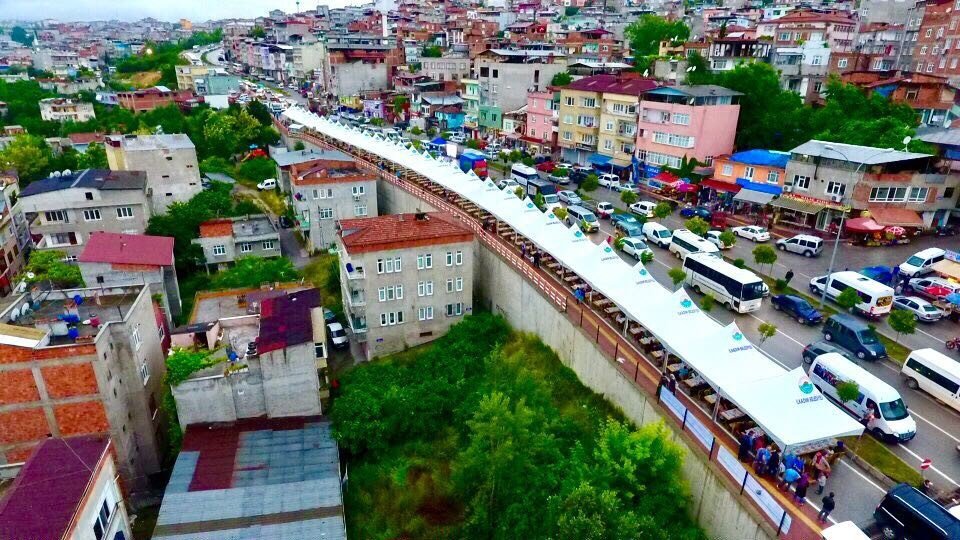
x: 876, y: 299
x: 735, y: 288
x: 934, y: 373
x: 522, y: 174
x: 686, y: 242
x: 892, y: 421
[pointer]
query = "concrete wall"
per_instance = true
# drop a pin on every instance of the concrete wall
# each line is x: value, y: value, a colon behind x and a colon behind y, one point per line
x: 291, y: 386
x: 337, y: 197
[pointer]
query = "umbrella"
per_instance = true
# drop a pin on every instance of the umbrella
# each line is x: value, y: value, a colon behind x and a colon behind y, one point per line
x: 953, y: 298
x: 896, y: 230
x: 938, y: 291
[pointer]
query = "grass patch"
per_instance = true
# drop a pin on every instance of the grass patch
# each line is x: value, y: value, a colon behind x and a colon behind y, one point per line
x: 324, y: 273
x: 897, y: 352
x: 274, y: 201
x: 141, y: 79
x: 877, y: 454
x: 189, y: 287
x: 145, y: 523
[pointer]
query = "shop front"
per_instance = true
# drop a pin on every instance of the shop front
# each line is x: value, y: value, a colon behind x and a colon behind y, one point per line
x: 807, y: 212
x: 713, y: 191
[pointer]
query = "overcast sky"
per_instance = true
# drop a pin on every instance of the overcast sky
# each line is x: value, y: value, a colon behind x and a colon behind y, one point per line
x: 170, y: 10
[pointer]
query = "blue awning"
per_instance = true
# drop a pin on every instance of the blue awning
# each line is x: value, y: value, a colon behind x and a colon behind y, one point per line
x: 598, y: 159
x: 772, y: 189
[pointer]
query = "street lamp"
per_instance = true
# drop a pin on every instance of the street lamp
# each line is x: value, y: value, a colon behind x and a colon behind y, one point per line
x: 843, y: 216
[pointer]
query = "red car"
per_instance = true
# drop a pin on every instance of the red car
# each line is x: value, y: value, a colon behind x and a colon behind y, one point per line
x: 546, y: 166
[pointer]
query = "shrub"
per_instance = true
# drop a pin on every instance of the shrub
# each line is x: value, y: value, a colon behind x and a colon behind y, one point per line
x: 739, y: 263
x: 780, y: 285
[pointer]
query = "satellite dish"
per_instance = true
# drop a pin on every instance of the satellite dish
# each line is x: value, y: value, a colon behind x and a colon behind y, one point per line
x: 66, y: 172
x: 907, y: 139
x: 55, y: 174
x: 15, y: 314
x: 31, y: 275
x: 646, y: 73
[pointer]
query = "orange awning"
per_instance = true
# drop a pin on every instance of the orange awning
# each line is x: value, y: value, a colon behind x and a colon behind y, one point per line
x: 896, y: 216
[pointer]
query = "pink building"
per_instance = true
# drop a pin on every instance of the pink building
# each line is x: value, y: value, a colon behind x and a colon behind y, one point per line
x: 540, y: 135
x: 693, y: 121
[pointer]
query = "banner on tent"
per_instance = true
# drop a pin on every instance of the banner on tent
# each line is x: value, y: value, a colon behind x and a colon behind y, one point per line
x: 700, y: 431
x: 731, y: 464
x: 672, y: 404
x: 767, y: 503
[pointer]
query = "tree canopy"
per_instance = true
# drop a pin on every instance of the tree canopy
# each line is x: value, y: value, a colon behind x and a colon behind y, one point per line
x: 255, y: 271
x: 561, y: 79
x: 47, y: 266
x: 21, y: 36
x: 646, y: 33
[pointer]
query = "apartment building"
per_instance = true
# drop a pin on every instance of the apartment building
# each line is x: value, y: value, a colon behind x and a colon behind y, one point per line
x: 579, y: 118
x: 506, y: 75
x: 837, y: 29
x: 543, y: 113
x: 617, y: 137
x: 14, y: 232
x: 470, y: 93
x: 66, y: 110
x: 353, y: 63
x: 446, y: 68
x: 405, y: 278
x: 186, y: 75
x: 158, y: 96
x: 686, y: 121
x: 65, y: 209
x: 725, y: 53
x: 931, y: 96
x: 803, y: 68
x: 173, y: 174
x: 327, y: 188
x: 881, y: 43
x: 937, y: 50
x: 225, y: 240
x: 85, y: 362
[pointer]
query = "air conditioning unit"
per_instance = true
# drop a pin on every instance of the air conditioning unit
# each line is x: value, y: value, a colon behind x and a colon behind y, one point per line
x: 836, y: 198
x: 787, y: 189
x: 356, y: 196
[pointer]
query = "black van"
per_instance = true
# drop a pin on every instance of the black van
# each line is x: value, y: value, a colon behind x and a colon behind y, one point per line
x: 907, y: 514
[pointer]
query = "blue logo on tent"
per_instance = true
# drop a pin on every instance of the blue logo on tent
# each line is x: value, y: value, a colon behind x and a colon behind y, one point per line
x: 529, y: 205
x: 550, y: 215
x: 643, y: 271
x: 686, y: 303
x: 607, y: 249
x: 805, y: 385
x: 578, y: 234
x: 737, y: 336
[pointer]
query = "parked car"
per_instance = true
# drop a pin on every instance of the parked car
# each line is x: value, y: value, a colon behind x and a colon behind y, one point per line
x: 563, y: 179
x: 569, y: 197
x: 563, y: 165
x: 601, y: 209
x: 796, y: 307
x: 753, y: 232
x: 657, y: 234
x: 853, y: 335
x: 696, y: 211
x: 643, y: 208
x: 622, y: 186
x: 623, y: 218
x: 803, y: 244
x: 921, y: 309
x: 608, y: 180
x: 636, y: 247
x: 629, y: 227
x: 329, y: 316
x: 906, y: 512
x: 924, y: 285
x: 815, y: 349
x: 269, y: 183
x: 545, y: 166
x: 337, y: 335
x: 458, y: 138
x: 508, y: 184
x: 714, y: 238
x: 578, y: 174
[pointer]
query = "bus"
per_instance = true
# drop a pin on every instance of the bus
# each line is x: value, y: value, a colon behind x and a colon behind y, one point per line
x: 735, y: 288
x: 686, y: 242
x: 523, y: 174
x: 876, y: 299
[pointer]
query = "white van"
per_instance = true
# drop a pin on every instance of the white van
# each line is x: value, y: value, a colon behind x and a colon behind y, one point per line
x: 686, y: 242
x: 656, y: 233
x: 876, y: 299
x: 584, y: 219
x: 934, y: 373
x: 845, y: 530
x: 522, y: 174
x: 922, y: 262
x: 893, y: 422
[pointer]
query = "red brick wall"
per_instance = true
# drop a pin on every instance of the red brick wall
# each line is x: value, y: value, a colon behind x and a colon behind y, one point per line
x: 81, y: 418
x: 17, y: 387
x: 23, y: 426
x: 69, y: 380
x: 11, y: 355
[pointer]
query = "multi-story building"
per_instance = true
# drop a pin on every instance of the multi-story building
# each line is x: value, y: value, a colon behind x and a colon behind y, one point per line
x: 187, y: 73
x: 750, y: 176
x: 405, y: 278
x: 14, y: 232
x: 326, y: 189
x: 543, y: 111
x: 173, y: 174
x: 158, y: 96
x: 86, y: 502
x: 224, y: 240
x: 353, y: 63
x: 881, y: 43
x: 686, y: 121
x: 936, y: 50
x: 884, y: 12
x: 84, y: 362
x: 579, y: 118
x: 617, y: 136
x: 446, y: 68
x: 65, y: 210
x: 931, y: 96
x: 727, y: 52
x: 803, y: 68
x: 594, y: 44
x: 506, y: 75
x: 470, y: 93
x: 838, y: 30
x: 66, y: 110
x: 910, y: 34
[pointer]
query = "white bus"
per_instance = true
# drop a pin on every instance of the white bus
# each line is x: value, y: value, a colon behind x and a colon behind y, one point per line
x: 522, y: 173
x: 934, y: 373
x: 876, y: 299
x: 686, y: 242
x: 737, y: 289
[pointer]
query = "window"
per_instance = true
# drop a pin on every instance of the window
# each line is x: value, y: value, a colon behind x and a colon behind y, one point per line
x: 246, y: 247
x: 358, y: 191
x: 388, y: 266
x: 608, y: 126
x: 929, y: 32
x: 144, y: 373
x: 567, y: 136
x: 680, y: 119
x: 424, y: 261
x: 391, y: 318
x: 325, y: 213
x: 888, y: 194
x: 570, y: 101
x: 748, y: 173
x: 918, y: 194
x: 784, y: 36
x: 425, y: 313
x: 450, y: 285
x: 459, y: 284
x: 817, y: 60
x: 102, y: 520
x: 57, y: 215
x: 124, y: 212
x: 318, y: 350
x: 923, y: 50
x: 219, y: 250
x: 842, y: 63
x: 88, y: 195
x: 835, y: 188
x: 817, y: 87
x: 567, y: 119
x: 801, y: 182
x: 726, y: 170
x: 137, y: 340
x: 948, y: 193
x: 425, y: 288
x: 91, y: 215
x: 588, y: 102
x: 449, y: 258
x: 773, y: 177
x: 268, y: 244
x: 672, y: 139
x: 459, y: 257
x: 607, y: 144
x: 387, y: 294
x: 586, y: 139
x: 934, y: 376
x: 454, y: 310
x: 323, y: 193
x: 360, y: 210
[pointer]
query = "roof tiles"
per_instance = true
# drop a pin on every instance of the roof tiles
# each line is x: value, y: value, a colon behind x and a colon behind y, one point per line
x: 401, y: 231
x: 141, y: 249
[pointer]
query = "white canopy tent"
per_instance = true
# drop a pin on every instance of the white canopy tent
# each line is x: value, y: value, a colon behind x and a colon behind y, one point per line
x: 722, y: 355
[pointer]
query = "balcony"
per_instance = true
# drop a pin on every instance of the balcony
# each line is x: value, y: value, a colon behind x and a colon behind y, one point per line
x: 357, y: 298
x: 353, y: 272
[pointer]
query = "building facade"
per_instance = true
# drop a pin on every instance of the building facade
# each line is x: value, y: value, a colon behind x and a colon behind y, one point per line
x: 543, y: 112
x: 14, y: 232
x: 936, y: 51
x: 505, y: 76
x: 173, y: 173
x: 225, y: 240
x: 66, y: 110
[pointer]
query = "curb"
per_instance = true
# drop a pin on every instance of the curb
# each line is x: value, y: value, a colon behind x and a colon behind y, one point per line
x: 874, y: 472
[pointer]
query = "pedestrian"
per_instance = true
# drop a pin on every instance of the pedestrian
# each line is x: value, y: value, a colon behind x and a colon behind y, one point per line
x: 822, y: 465
x: 743, y: 453
x: 536, y: 258
x: 609, y: 240
x: 828, y: 505
x: 773, y: 464
x: 763, y: 456
x: 663, y: 382
x: 788, y: 276
x: 790, y: 475
x: 672, y: 384
x: 821, y: 483
x: 800, y: 495
x: 523, y: 250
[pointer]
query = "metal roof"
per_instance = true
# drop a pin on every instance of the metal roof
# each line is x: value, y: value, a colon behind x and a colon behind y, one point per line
x: 102, y: 179
x: 703, y: 90
x: 284, y: 159
x: 867, y: 155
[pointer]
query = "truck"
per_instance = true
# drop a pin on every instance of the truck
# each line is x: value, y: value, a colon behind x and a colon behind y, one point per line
x: 542, y: 187
x: 475, y: 161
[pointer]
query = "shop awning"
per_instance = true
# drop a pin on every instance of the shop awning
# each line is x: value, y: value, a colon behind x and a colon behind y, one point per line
x: 758, y: 186
x: 598, y: 159
x: 756, y: 197
x: 863, y: 225
x: 798, y: 205
x: 896, y: 216
x: 720, y: 185
x: 948, y: 268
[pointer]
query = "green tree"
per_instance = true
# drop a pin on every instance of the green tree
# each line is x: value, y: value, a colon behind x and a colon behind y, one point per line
x: 628, y: 197
x: 764, y: 254
x: 646, y: 33
x: 182, y: 363
x: 728, y: 238
x: 29, y: 155
x: 662, y: 210
x: 570, y: 11
x: 221, y: 136
x: 21, y: 36
x: 400, y: 104
x: 902, y: 322
x: 588, y: 513
x: 257, y: 32
x: 562, y: 78
x: 432, y: 51
x: 848, y: 299
x: 848, y: 391
x: 376, y: 122
x: 707, y: 302
x: 473, y: 144
x: 258, y: 169
x: 260, y: 111
x: 47, y: 266
x: 560, y: 212
x: 415, y: 130
x: 646, y: 257
x: 299, y: 146
x: 767, y: 331
x: 518, y: 192
x: 677, y: 275
x: 590, y: 183
x: 697, y: 226
x: 94, y: 158
x: 255, y: 271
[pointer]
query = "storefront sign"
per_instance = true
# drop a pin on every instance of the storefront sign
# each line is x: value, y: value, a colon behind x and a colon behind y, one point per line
x: 952, y: 256
x: 826, y: 204
x: 650, y: 170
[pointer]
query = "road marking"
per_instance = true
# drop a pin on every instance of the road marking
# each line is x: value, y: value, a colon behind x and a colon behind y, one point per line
x: 932, y: 468
x: 936, y: 427
x: 931, y: 336
x: 861, y: 475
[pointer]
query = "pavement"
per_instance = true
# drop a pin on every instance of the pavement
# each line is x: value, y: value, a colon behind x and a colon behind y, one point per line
x: 290, y: 245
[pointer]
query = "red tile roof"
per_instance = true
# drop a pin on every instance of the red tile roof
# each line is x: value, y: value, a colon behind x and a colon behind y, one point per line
x: 612, y: 84
x: 286, y: 320
x: 47, y: 493
x: 808, y: 16
x: 216, y: 227
x: 401, y: 231
x: 140, y: 249
x: 86, y: 138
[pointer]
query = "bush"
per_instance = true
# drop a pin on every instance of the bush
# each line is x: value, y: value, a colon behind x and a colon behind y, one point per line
x: 662, y: 210
x: 780, y: 285
x: 473, y: 144
x: 848, y: 299
x: 628, y: 197
x: 646, y: 257
x: 47, y: 266
x: 728, y: 238
x: 707, y: 302
x: 256, y: 170
x: 415, y: 130
x: 697, y: 226
x: 739, y: 263
x: 590, y: 183
x: 299, y: 146
x: 764, y: 254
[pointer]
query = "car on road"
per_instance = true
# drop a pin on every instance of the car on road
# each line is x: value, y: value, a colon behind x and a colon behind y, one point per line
x: 753, y: 232
x: 803, y: 244
x: 635, y: 247
x: 623, y: 186
x: 563, y: 165
x: 458, y: 138
x: 268, y: 184
x: 714, y: 238
x: 562, y: 179
x: 921, y: 263
x: 608, y: 180
x: 337, y: 335
x: 696, y: 211
x: 602, y: 209
x: 906, y: 512
x: 853, y: 335
x: 578, y: 174
x: 815, y: 349
x: 624, y: 218
x: 284, y: 222
x: 924, y: 285
x: 508, y: 184
x: 921, y: 309
x: 643, y: 208
x: 569, y: 197
x: 545, y: 166
x: 657, y: 234
x: 796, y: 307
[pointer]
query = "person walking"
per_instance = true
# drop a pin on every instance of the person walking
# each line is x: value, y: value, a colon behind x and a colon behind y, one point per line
x: 788, y: 276
x: 672, y: 384
x: 523, y: 250
x: 663, y: 382
x: 743, y: 452
x: 821, y: 483
x: 828, y: 505
x: 800, y: 495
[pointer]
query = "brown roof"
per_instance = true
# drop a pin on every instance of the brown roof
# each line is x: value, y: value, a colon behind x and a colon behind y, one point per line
x: 809, y: 16
x: 612, y: 84
x: 216, y: 227
x: 86, y: 138
x: 401, y: 231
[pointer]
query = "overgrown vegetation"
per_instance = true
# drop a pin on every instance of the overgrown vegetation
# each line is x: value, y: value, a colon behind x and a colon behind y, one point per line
x: 47, y: 267
x: 493, y: 438
x: 163, y: 57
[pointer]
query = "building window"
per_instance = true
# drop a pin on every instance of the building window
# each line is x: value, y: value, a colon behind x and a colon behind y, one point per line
x: 425, y: 313
x: 672, y: 139
x: 102, y: 520
x: 144, y: 372
x: 137, y: 339
x: 358, y: 191
x: 246, y: 247
x: 607, y: 144
x: 360, y: 210
x: 835, y: 188
x: 567, y: 136
x: 748, y: 173
x: 325, y: 213
x: 680, y: 119
x: 57, y: 216
x: 784, y: 36
x: 817, y: 60
x: 608, y: 126
x: 424, y: 261
x: 459, y: 284
x: 267, y: 244
x: 425, y: 288
x: 842, y: 63
x: 455, y: 309
x: 388, y: 266
x: 918, y: 194
x: 801, y: 182
x: 817, y: 87
x: 391, y: 318
x: 588, y: 102
x: 773, y: 177
x: 91, y: 215
x: 726, y: 170
x: 570, y: 101
x: 387, y: 294
x: 888, y: 194
x: 124, y: 212
x: 219, y: 250
x: 459, y: 257
x: 567, y: 119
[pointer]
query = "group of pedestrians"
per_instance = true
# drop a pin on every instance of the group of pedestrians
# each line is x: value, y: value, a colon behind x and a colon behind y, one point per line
x: 788, y: 469
x: 668, y: 381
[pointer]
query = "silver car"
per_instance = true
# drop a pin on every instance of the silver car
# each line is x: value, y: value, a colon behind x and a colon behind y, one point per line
x: 569, y: 197
x: 921, y: 309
